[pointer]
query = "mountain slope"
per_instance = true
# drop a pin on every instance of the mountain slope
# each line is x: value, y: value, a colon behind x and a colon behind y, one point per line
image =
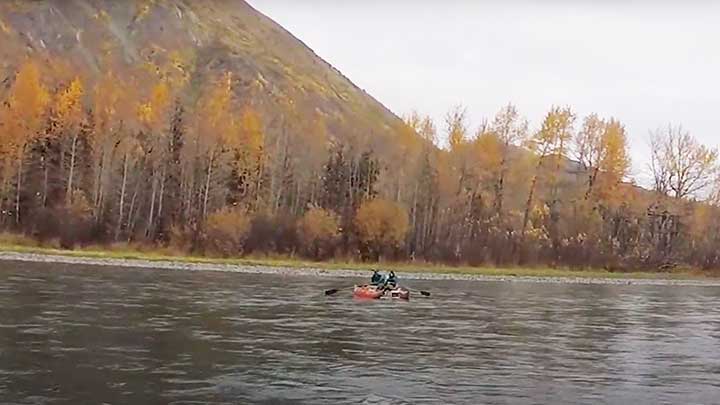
x: 197, y: 39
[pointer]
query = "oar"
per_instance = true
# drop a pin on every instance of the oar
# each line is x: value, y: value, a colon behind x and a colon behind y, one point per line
x: 336, y: 290
x: 423, y: 293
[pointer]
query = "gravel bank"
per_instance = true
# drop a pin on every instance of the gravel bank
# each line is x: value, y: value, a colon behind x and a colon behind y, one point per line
x: 312, y: 272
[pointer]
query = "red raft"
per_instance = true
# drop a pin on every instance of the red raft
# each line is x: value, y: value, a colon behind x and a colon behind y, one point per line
x: 371, y: 292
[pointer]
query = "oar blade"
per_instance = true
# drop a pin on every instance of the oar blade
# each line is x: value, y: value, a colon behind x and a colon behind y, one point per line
x: 425, y: 293
x: 332, y: 292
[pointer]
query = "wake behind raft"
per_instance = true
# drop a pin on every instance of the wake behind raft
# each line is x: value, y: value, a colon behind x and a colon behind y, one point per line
x: 380, y: 287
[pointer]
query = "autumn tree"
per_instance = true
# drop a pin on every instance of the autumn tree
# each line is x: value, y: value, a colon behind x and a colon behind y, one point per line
x: 601, y: 147
x: 217, y: 130
x: 507, y: 133
x: 681, y: 166
x: 69, y: 113
x: 549, y: 143
x: 381, y: 225
x: 114, y: 112
x: 155, y: 117
x: 24, y: 114
x: 135, y: 155
x: 456, y: 126
x: 248, y: 151
x: 226, y: 232
x: 318, y: 231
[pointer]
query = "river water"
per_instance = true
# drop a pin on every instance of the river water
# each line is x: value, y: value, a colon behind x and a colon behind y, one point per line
x: 74, y: 335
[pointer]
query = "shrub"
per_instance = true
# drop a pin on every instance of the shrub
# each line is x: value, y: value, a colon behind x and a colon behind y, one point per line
x: 226, y: 232
x: 72, y: 224
x: 272, y: 234
x: 76, y: 222
x: 319, y: 231
x: 381, y: 225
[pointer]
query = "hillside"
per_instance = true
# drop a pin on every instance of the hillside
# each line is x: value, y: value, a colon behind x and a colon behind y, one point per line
x: 198, y: 39
x: 204, y: 127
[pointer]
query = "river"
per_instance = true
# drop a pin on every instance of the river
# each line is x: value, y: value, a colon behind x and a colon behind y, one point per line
x: 102, y: 335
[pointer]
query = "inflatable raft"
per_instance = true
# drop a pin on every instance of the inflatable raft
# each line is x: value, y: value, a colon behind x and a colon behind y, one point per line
x: 371, y: 292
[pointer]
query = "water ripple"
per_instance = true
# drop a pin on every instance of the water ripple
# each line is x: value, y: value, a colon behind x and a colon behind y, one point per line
x: 71, y: 334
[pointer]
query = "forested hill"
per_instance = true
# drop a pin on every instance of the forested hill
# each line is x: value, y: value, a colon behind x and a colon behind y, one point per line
x: 192, y: 41
x: 202, y: 126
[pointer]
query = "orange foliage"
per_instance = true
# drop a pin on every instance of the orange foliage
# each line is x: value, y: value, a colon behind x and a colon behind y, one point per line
x: 318, y: 231
x: 226, y: 232
x: 381, y: 223
x: 25, y: 111
x: 69, y: 105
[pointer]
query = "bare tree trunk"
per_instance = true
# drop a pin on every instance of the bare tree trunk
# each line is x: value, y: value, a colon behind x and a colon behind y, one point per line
x: 122, y: 198
x: 258, y: 183
x: 3, y: 197
x: 132, y: 212
x: 528, y: 205
x: 73, y: 150
x: 162, y: 196
x: 46, y: 175
x: 190, y: 190
x: 413, y: 219
x: 500, y: 187
x: 19, y: 186
x: 151, y: 216
x: 96, y: 189
x: 591, y: 183
x: 207, y: 184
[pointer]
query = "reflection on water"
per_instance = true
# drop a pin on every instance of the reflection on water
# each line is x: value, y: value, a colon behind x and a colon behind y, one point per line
x: 99, y: 335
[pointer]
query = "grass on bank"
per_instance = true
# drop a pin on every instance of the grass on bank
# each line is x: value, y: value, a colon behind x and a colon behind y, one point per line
x: 20, y: 244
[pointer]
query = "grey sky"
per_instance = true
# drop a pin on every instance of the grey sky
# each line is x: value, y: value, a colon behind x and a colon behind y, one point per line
x: 647, y: 63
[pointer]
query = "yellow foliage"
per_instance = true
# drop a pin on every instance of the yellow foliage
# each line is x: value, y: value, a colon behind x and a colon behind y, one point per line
x: 488, y: 151
x: 226, y: 232
x: 509, y: 127
x: 615, y: 160
x: 110, y: 103
x: 601, y: 147
x: 556, y: 132
x: 154, y: 111
x: 382, y: 223
x: 252, y: 133
x: 456, y: 124
x: 215, y: 121
x: 25, y: 110
x: 318, y: 228
x: 68, y: 104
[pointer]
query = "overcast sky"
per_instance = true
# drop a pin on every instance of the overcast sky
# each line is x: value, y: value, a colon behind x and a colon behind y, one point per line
x: 647, y: 63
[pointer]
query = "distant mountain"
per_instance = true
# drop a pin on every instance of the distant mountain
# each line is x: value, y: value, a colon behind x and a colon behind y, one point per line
x: 197, y: 38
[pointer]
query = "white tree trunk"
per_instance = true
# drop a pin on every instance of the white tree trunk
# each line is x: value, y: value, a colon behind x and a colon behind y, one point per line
x: 69, y: 192
x: 122, y: 198
x: 207, y: 184
x: 19, y: 188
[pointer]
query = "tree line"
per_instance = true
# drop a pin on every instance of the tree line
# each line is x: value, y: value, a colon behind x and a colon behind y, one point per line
x: 159, y: 160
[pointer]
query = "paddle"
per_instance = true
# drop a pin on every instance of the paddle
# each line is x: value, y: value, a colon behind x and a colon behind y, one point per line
x: 337, y: 290
x: 333, y: 291
x: 423, y: 293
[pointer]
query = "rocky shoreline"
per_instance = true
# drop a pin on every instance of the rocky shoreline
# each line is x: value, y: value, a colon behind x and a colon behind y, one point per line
x: 313, y: 272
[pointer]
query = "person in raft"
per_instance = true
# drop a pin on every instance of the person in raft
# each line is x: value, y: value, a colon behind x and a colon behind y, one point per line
x: 377, y: 279
x: 391, y: 281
